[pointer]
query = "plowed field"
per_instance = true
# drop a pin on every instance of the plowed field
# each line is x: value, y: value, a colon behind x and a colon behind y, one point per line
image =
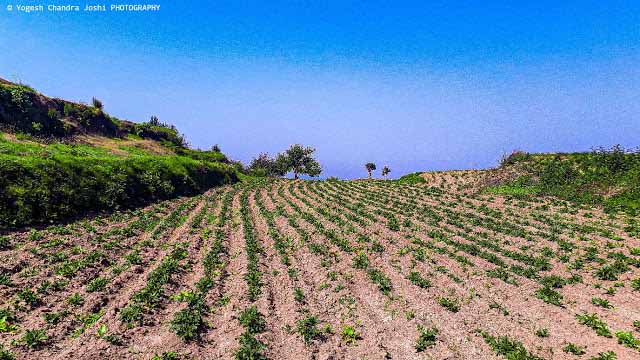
x: 327, y: 270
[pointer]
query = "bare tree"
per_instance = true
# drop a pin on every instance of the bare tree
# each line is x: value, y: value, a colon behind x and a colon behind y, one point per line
x: 385, y: 171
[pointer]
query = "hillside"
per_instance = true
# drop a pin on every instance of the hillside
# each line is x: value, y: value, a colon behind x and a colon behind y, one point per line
x: 61, y: 159
x: 608, y: 178
x: 605, y: 177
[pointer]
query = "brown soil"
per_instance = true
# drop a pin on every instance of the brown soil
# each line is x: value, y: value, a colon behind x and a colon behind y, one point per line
x: 485, y: 259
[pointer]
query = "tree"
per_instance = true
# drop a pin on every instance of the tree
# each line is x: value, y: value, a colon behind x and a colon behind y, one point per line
x: 215, y: 148
x: 370, y: 167
x: 299, y: 160
x: 97, y: 103
x: 154, y: 121
x: 263, y: 165
x: 385, y: 171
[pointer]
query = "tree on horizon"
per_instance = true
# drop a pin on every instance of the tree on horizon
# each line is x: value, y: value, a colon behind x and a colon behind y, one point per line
x: 298, y: 159
x: 370, y: 167
x: 385, y: 171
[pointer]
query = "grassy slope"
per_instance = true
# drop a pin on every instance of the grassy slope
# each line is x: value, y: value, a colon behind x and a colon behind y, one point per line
x: 609, y: 178
x: 60, y: 159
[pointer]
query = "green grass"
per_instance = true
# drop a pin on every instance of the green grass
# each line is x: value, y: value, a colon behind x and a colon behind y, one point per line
x: 414, y: 178
x: 47, y: 177
x: 586, y: 178
x: 54, y: 182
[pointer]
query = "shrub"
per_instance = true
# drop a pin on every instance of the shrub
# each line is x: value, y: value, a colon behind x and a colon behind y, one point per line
x: 22, y: 111
x: 514, y: 157
x: 96, y: 103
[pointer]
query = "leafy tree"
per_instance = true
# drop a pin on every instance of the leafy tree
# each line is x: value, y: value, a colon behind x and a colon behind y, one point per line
x: 370, y: 167
x: 263, y: 165
x: 154, y: 121
x: 385, y: 171
x: 299, y: 160
x: 216, y: 148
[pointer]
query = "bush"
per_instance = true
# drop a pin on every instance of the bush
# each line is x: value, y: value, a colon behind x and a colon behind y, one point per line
x: 35, y: 189
x: 608, y: 177
x: 516, y: 156
x: 414, y: 178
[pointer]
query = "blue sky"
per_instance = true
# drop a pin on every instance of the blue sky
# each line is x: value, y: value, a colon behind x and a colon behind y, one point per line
x: 422, y: 85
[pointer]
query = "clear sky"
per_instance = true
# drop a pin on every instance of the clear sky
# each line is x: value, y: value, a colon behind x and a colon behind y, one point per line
x: 420, y: 85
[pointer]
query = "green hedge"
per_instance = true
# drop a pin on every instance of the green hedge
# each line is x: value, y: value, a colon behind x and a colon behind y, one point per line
x: 36, y: 189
